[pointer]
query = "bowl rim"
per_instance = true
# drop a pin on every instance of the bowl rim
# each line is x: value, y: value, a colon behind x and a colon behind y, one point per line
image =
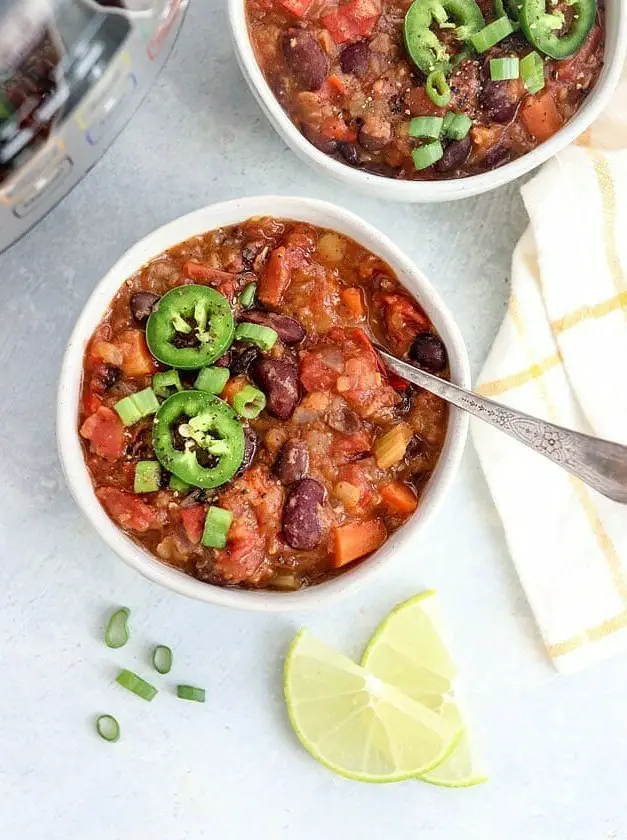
x: 437, y: 190
x: 200, y: 221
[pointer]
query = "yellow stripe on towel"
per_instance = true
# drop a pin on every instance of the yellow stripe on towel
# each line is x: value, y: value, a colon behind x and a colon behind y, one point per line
x: 592, y: 634
x: 516, y: 380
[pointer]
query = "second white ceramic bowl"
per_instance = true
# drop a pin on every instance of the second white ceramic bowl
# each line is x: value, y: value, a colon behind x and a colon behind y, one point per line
x: 444, y: 190
x: 209, y: 218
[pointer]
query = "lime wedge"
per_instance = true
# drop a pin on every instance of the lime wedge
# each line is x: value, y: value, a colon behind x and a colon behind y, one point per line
x: 356, y: 724
x: 407, y: 651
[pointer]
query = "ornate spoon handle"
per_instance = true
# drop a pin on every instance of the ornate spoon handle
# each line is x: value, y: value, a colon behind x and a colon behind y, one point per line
x: 600, y: 463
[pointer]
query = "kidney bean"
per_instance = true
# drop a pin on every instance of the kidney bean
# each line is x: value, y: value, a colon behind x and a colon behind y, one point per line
x: 251, y: 442
x: 429, y: 352
x: 288, y: 329
x: 278, y: 379
x: 354, y: 58
x: 455, y: 155
x: 302, y: 528
x: 142, y: 304
x: 305, y: 58
x: 292, y: 462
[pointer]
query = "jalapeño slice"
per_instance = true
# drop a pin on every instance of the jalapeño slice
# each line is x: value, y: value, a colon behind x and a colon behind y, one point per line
x: 190, y: 328
x: 198, y: 438
x: 551, y: 33
x: 425, y: 49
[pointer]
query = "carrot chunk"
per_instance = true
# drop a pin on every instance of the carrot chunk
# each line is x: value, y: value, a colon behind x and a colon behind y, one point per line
x: 353, y: 301
x: 398, y: 499
x: 541, y: 117
x: 356, y: 539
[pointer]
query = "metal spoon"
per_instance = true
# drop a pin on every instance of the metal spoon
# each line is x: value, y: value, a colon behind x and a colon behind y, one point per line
x: 599, y: 463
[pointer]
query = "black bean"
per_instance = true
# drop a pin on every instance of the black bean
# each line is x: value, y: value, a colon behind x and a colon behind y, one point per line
x: 350, y: 153
x: 429, y: 352
x: 109, y: 375
x: 455, y: 155
x: 302, y: 528
x: 142, y: 304
x: 305, y: 58
x: 292, y: 462
x: 278, y: 379
x: 288, y: 329
x: 354, y: 58
x: 499, y: 99
x: 196, y: 497
x: 242, y: 357
x: 251, y: 442
x: 497, y: 156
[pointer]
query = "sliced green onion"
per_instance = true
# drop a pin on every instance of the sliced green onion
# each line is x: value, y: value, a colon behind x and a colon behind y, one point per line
x: 459, y: 127
x: 430, y: 127
x: 427, y: 155
x: 263, y: 337
x: 147, y: 477
x: 217, y: 526
x: 146, y: 402
x: 163, y: 382
x: 532, y: 72
x: 116, y: 632
x: 190, y: 692
x: 212, y: 380
x: 178, y: 485
x: 108, y: 728
x: 247, y: 295
x: 134, y: 683
x: 492, y: 34
x: 127, y: 411
x: 503, y: 69
x: 448, y: 119
x: 249, y: 402
x: 437, y: 88
x: 162, y: 659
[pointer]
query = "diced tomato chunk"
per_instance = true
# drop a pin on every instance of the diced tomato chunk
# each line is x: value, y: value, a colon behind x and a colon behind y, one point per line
x: 336, y: 129
x: 136, y: 358
x: 346, y: 447
x: 92, y: 403
x: 128, y: 510
x: 193, y: 519
x: 296, y: 7
x: 356, y: 475
x: 315, y: 375
x: 105, y: 433
x: 404, y: 319
x: 355, y: 19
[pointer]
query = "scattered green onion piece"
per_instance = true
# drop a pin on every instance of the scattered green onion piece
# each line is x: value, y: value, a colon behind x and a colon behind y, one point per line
x: 503, y: 69
x: 427, y: 155
x: 178, y: 485
x: 532, y: 72
x: 438, y: 89
x: 163, y: 382
x: 247, y: 295
x: 116, y: 631
x: 147, y: 477
x: 459, y: 127
x: 146, y: 402
x: 249, y: 402
x: 217, y: 524
x: 108, y: 728
x: 133, y: 682
x: 492, y: 34
x: 448, y: 119
x: 127, y: 411
x: 162, y: 659
x: 190, y: 692
x: 429, y: 127
x: 212, y: 380
x: 263, y: 337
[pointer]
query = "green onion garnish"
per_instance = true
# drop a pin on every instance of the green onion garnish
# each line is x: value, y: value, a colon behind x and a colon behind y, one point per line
x: 116, y: 632
x: 263, y: 337
x: 135, y: 407
x: 212, y: 380
x: 162, y: 659
x: 427, y: 155
x: 178, y: 485
x: 247, y: 295
x: 532, y: 72
x: 217, y: 524
x: 249, y: 402
x: 108, y: 728
x: 162, y: 383
x: 147, y: 477
x: 189, y: 692
x: 503, y: 69
x: 458, y: 127
x: 136, y: 684
x: 492, y: 34
x: 427, y: 127
x: 437, y: 88
x: 448, y: 119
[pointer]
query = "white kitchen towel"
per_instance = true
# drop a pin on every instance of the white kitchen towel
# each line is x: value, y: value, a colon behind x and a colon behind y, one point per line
x: 561, y: 354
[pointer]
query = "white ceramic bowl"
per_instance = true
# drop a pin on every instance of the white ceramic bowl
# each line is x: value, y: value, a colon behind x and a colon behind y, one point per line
x: 209, y: 218
x: 445, y: 190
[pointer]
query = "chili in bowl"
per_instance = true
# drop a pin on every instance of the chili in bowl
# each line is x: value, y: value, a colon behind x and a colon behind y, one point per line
x: 429, y: 100
x: 224, y: 421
